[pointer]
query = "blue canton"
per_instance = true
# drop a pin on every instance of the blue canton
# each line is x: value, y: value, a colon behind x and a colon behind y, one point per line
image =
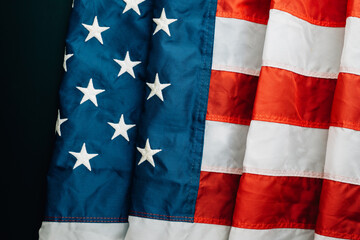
x: 102, y: 193
x: 132, y: 111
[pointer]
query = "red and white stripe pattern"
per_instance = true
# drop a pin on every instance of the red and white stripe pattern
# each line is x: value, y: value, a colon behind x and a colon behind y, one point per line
x: 339, y: 213
x: 238, y: 45
x: 279, y: 192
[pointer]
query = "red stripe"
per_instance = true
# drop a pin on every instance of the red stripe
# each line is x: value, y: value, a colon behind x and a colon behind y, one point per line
x: 353, y: 8
x: 327, y: 13
x: 346, y: 108
x: 339, y: 213
x: 265, y: 202
x: 231, y: 97
x: 290, y: 98
x: 251, y: 10
x: 216, y: 198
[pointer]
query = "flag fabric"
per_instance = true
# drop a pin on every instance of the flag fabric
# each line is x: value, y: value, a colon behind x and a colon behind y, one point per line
x: 280, y: 189
x: 339, y: 203
x: 101, y: 100
x: 208, y: 119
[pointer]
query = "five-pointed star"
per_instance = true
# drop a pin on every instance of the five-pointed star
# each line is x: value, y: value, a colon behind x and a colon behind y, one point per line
x: 163, y: 23
x: 59, y: 121
x: 83, y: 157
x: 95, y: 30
x: 157, y: 87
x: 66, y: 57
x: 90, y: 93
x: 127, y: 65
x: 147, y: 153
x: 132, y: 4
x: 121, y: 128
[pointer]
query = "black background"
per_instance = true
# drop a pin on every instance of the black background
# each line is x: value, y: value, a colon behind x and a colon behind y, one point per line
x: 32, y: 49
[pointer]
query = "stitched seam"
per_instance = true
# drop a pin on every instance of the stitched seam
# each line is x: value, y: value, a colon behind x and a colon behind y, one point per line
x: 274, y: 225
x: 165, y: 219
x: 204, y: 78
x: 89, y: 217
x: 350, y: 70
x: 236, y: 120
x: 159, y: 217
x: 282, y: 172
x: 285, y: 120
x: 238, y: 171
x: 86, y: 221
x: 242, y: 16
x: 236, y: 69
x: 300, y: 71
x: 339, y: 178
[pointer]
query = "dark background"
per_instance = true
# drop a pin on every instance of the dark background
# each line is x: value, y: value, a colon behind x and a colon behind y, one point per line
x: 32, y: 49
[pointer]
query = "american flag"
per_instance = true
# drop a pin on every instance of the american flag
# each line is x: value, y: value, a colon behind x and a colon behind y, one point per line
x: 208, y: 119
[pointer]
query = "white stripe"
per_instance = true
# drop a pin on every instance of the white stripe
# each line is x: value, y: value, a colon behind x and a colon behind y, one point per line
x: 224, y: 147
x: 238, y: 45
x: 298, y: 46
x: 151, y: 229
x: 351, y: 53
x: 271, y: 234
x: 343, y: 156
x: 284, y: 150
x: 82, y: 231
x: 319, y: 237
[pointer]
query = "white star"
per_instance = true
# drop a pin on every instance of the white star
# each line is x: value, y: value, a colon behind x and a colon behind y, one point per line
x: 148, y: 153
x: 132, y: 4
x: 121, y: 128
x: 157, y: 87
x: 66, y: 57
x: 163, y: 23
x: 127, y: 65
x: 59, y: 121
x: 90, y: 93
x: 83, y: 158
x: 95, y: 30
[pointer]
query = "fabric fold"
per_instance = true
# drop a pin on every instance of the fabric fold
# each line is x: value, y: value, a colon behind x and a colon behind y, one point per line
x: 339, y: 206
x: 279, y: 192
x: 101, y: 98
x: 208, y: 119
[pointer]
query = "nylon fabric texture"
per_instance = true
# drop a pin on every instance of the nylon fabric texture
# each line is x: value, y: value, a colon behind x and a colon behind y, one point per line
x: 208, y: 119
